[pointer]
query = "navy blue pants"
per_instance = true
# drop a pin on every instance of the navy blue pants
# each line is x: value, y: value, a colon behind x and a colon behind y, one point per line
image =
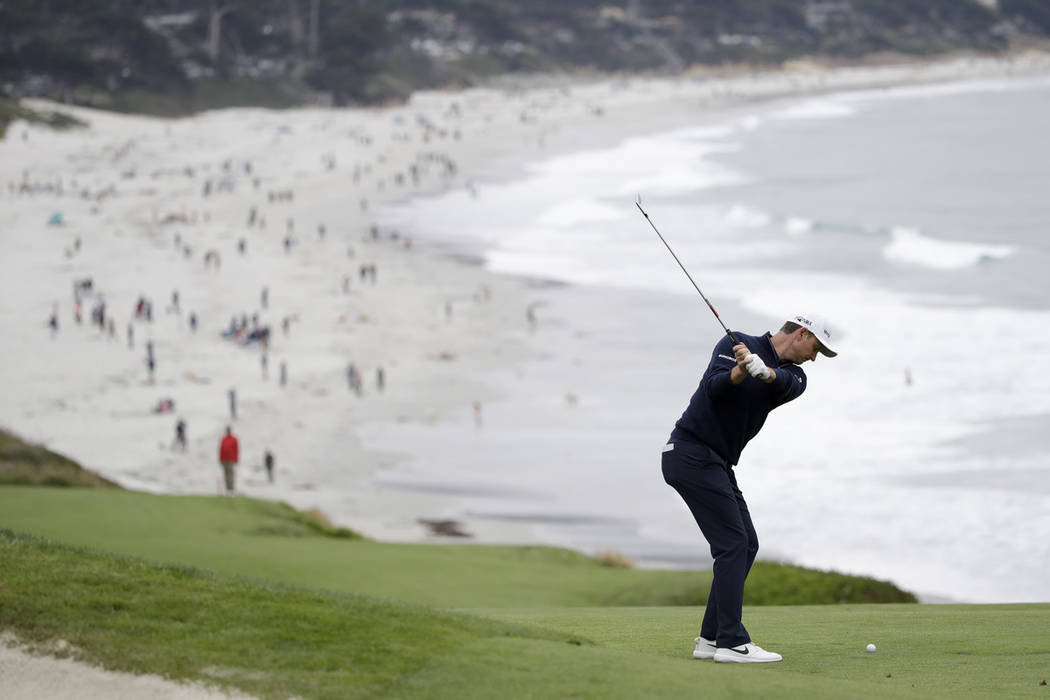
x: 708, y: 487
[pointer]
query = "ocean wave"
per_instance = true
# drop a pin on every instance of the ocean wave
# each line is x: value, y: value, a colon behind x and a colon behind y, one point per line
x: 666, y: 164
x: 908, y: 245
x: 746, y: 217
x: 797, y: 225
x: 681, y: 179
x: 579, y: 211
x: 740, y: 216
x: 816, y: 109
x: 705, y: 133
x: 750, y: 122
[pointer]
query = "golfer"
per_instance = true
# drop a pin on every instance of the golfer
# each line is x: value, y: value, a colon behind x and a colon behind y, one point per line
x: 742, y: 384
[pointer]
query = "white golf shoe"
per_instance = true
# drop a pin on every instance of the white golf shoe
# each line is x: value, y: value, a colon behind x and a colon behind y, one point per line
x: 745, y: 654
x: 705, y: 648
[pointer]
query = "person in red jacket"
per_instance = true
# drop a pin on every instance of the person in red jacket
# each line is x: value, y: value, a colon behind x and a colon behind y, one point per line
x: 228, y: 454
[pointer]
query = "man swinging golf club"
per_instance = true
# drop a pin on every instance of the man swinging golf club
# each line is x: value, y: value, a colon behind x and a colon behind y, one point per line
x: 748, y: 377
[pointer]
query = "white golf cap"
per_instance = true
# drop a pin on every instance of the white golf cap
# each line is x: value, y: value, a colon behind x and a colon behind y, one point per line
x: 818, y: 326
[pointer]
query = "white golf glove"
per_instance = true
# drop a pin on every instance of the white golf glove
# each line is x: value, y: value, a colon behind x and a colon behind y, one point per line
x: 757, y: 368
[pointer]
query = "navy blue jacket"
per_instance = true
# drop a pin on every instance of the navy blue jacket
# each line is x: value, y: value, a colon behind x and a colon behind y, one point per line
x: 724, y: 416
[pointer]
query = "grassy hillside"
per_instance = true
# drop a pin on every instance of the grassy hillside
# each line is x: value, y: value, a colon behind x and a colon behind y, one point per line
x: 271, y: 540
x: 24, y: 463
x: 267, y: 639
x: 279, y: 641
x: 267, y: 540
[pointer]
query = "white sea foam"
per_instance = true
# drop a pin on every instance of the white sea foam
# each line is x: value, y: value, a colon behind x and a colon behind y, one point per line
x: 797, y: 225
x: 596, y: 187
x: 671, y: 164
x: 908, y: 245
x: 708, y: 133
x: 750, y: 122
x: 579, y: 211
x: 824, y: 108
x: 746, y: 217
x: 680, y: 179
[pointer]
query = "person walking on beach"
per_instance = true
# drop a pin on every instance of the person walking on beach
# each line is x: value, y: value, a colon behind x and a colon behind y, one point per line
x: 743, y: 382
x: 268, y: 463
x: 180, y: 435
x: 151, y: 362
x: 353, y: 378
x: 229, y: 450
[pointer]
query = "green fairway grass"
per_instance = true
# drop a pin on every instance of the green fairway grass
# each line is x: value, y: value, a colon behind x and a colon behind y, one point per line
x: 269, y: 540
x: 937, y: 651
x: 279, y: 641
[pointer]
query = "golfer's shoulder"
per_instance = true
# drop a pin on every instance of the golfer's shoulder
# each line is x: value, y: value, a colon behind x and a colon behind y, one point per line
x: 723, y: 350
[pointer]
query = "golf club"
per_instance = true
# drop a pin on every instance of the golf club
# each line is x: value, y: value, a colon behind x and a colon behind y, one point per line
x: 638, y: 203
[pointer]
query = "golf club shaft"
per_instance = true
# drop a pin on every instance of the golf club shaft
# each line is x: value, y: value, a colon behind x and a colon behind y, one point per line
x: 717, y: 317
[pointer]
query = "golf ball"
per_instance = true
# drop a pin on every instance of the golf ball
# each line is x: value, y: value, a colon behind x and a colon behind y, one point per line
x: 871, y: 647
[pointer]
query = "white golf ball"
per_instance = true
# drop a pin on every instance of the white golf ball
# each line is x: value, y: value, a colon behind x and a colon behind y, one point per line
x: 871, y: 647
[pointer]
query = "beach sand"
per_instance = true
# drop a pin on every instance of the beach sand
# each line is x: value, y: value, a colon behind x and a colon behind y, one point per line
x: 144, y: 201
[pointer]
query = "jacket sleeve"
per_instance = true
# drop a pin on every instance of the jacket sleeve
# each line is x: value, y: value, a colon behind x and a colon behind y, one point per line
x: 716, y: 379
x: 789, y: 384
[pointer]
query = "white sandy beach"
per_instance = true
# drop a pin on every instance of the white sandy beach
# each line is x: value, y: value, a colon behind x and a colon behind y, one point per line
x: 147, y: 199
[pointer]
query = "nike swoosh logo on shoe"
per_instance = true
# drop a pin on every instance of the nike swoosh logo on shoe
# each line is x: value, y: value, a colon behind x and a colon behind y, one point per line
x: 745, y: 651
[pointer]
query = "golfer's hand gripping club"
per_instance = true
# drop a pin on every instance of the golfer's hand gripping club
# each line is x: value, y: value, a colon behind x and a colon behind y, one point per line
x: 750, y: 364
x: 757, y: 368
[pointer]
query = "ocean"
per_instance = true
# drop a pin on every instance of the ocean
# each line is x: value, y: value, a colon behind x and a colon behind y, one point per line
x: 915, y: 218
